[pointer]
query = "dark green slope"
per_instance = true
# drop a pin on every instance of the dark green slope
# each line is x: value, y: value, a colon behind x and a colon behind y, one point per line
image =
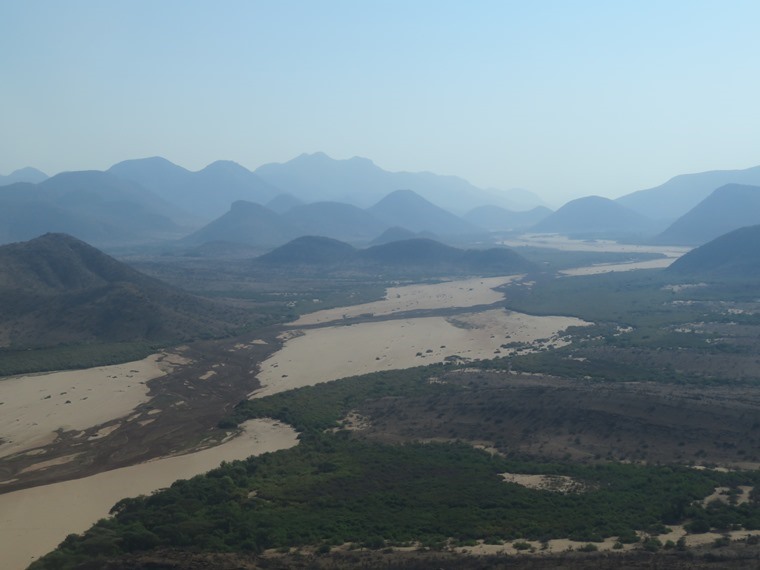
x: 309, y: 250
x: 735, y: 255
x: 56, y: 289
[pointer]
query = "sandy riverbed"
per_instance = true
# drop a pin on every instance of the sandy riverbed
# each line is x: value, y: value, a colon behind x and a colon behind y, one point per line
x: 34, y: 407
x: 34, y: 521
x: 556, y: 241
x: 333, y: 352
x: 461, y: 293
x: 610, y: 267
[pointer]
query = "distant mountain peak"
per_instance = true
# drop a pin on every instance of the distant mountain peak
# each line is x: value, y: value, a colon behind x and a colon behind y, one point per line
x: 359, y: 181
x: 73, y: 292
x: 727, y: 208
x: 26, y: 174
x: 225, y: 165
x: 594, y: 215
x: 409, y: 210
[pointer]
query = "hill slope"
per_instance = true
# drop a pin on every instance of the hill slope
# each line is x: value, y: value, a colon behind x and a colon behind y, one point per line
x: 425, y: 255
x: 728, y: 208
x: 409, y: 257
x: 335, y: 220
x: 409, y: 210
x: 27, y: 174
x: 594, y: 215
x: 681, y: 193
x: 735, y: 255
x: 94, y: 206
x: 318, y: 251
x: 57, y: 289
x: 247, y: 223
x: 206, y: 193
x: 358, y: 181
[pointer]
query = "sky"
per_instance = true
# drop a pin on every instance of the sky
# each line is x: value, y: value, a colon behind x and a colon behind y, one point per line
x: 565, y: 98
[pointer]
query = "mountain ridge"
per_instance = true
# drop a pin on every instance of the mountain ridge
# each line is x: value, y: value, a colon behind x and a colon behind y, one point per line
x: 727, y: 208
x: 678, y: 195
x: 56, y: 289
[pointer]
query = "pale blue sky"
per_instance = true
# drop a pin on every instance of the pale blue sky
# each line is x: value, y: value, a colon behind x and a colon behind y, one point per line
x: 565, y: 98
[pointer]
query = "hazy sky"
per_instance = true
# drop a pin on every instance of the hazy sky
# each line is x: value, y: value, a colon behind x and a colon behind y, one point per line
x: 565, y: 98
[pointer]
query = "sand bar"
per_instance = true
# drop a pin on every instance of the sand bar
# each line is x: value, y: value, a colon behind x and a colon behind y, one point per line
x: 333, y: 352
x: 35, y: 406
x: 34, y: 521
x: 613, y: 267
x: 460, y: 293
x: 556, y: 241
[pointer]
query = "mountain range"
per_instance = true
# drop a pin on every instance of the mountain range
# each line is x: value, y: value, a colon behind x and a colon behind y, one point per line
x: 681, y: 193
x: 152, y: 200
x: 359, y: 181
x: 28, y: 174
x: 728, y: 208
x: 595, y: 216
x: 408, y: 257
x: 256, y: 225
x: 91, y: 205
x: 56, y: 289
x: 206, y: 193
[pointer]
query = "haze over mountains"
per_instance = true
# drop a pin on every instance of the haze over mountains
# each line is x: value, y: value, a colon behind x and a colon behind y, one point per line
x: 27, y: 174
x: 681, y: 193
x: 151, y: 200
x: 252, y: 224
x: 94, y: 206
x: 728, y: 208
x: 406, y: 257
x: 358, y: 181
x: 594, y: 215
x: 496, y: 219
x: 207, y: 193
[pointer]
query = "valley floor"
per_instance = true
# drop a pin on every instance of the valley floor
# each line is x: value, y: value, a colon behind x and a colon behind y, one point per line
x: 184, y: 402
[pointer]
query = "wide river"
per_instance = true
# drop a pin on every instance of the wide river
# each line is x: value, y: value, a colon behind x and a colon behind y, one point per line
x: 34, y: 521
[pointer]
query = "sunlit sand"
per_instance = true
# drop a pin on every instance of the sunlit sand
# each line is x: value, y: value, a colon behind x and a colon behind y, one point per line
x: 614, y: 267
x: 329, y: 353
x: 556, y: 241
x: 34, y: 407
x: 461, y: 293
x: 34, y: 521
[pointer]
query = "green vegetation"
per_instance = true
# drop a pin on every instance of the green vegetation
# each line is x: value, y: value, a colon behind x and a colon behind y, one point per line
x: 556, y: 259
x: 313, y: 409
x: 332, y: 489
x: 635, y: 299
x: 72, y: 357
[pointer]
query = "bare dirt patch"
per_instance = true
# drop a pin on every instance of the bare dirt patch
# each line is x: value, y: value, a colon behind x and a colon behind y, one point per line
x: 553, y: 483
